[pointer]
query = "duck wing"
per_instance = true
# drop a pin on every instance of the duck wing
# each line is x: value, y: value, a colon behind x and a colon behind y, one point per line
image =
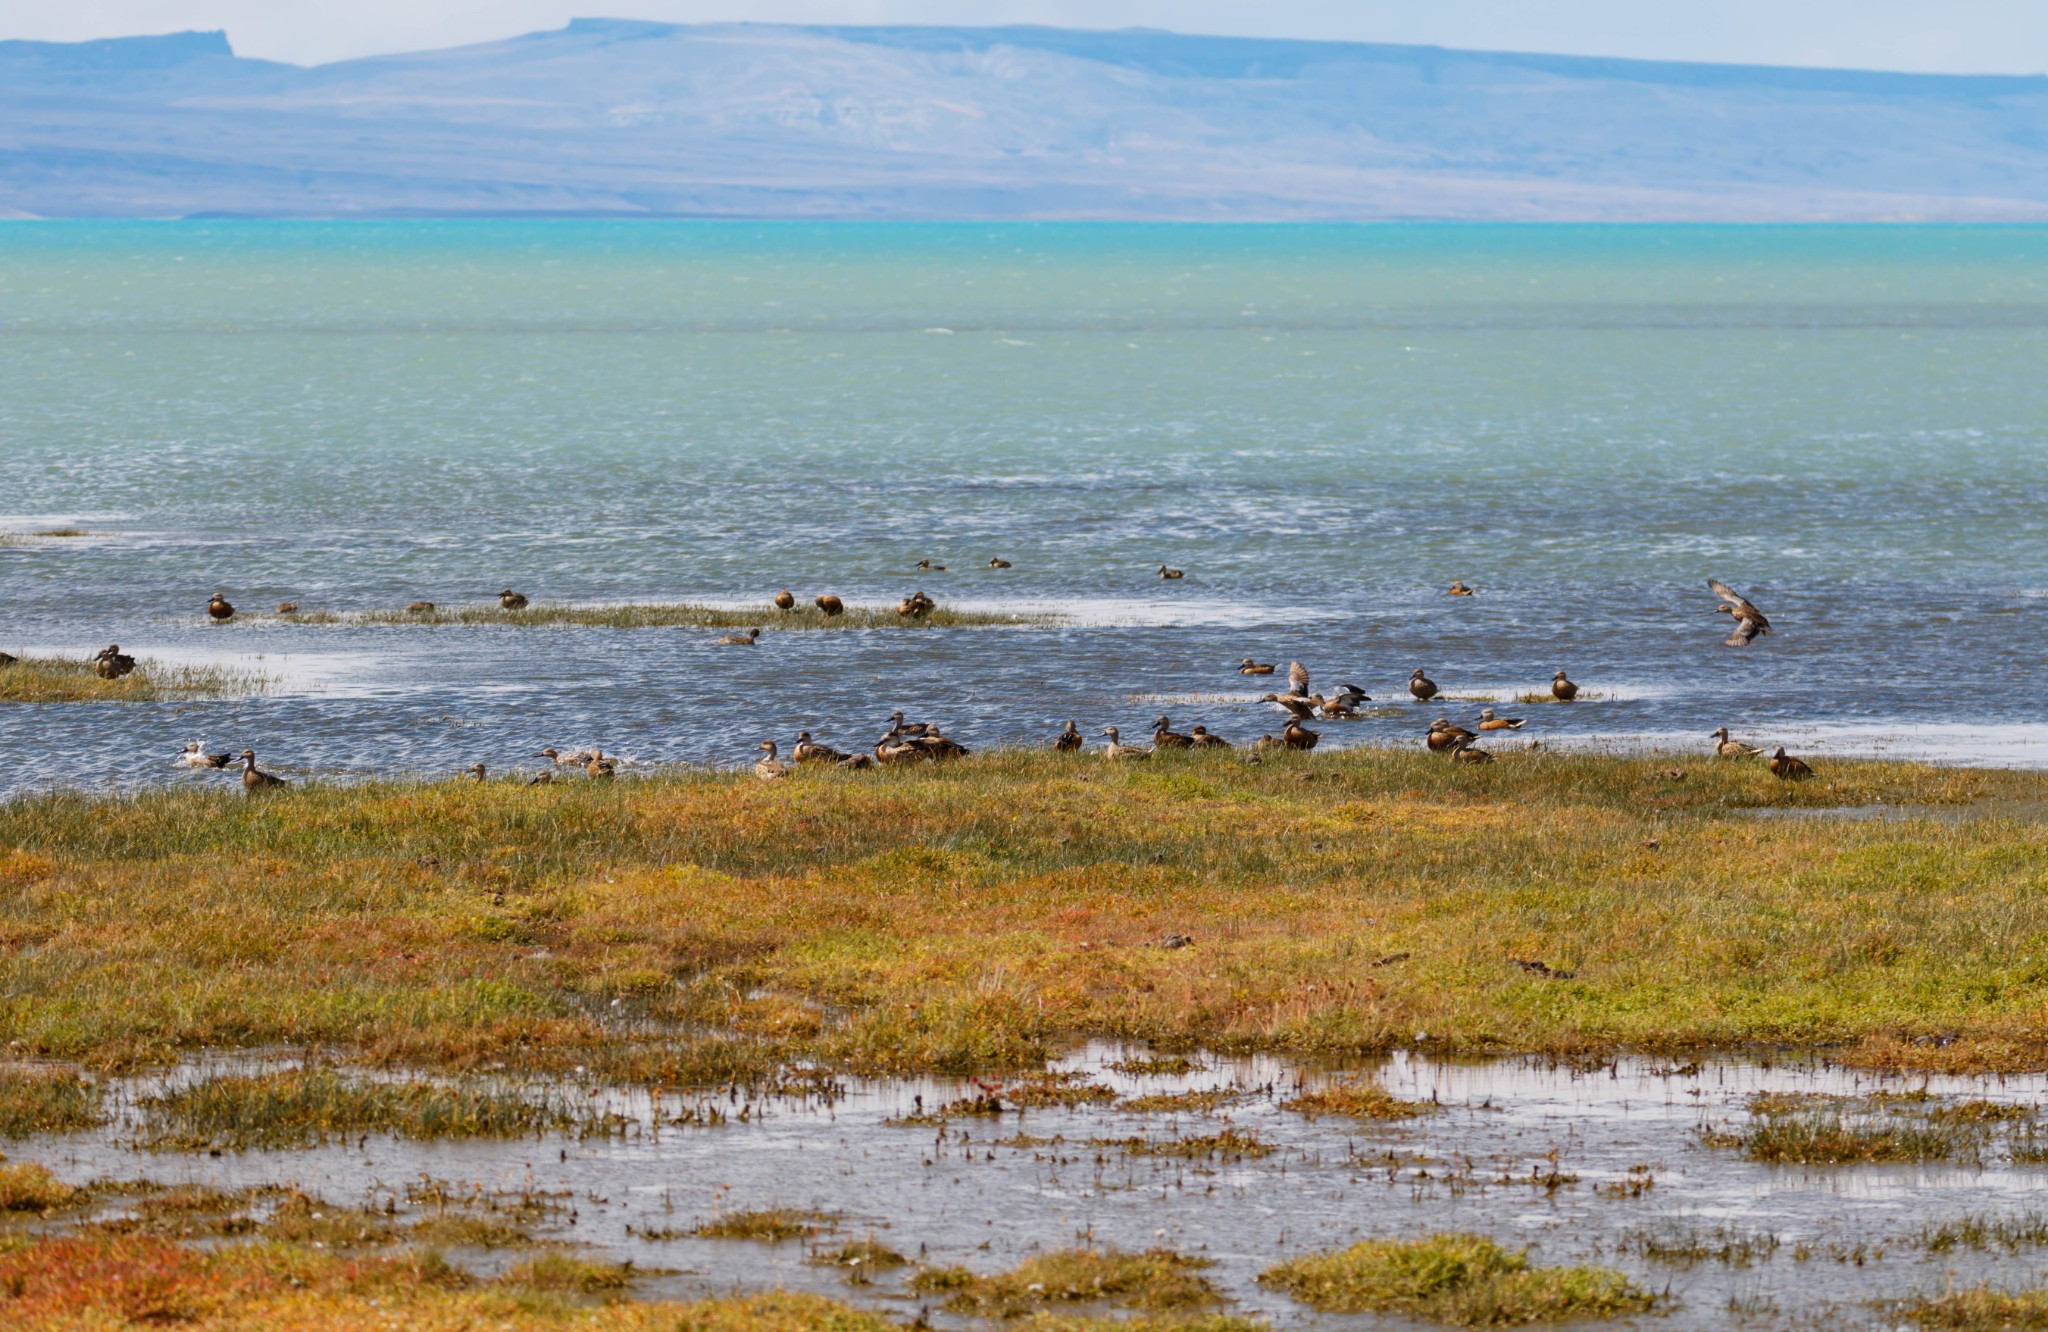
x: 1297, y: 677
x: 1739, y: 603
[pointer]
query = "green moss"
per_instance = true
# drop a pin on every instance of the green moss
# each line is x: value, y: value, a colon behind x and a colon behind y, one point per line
x: 1455, y: 1279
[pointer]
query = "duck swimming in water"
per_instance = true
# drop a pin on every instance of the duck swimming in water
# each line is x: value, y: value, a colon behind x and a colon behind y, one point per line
x: 929, y: 567
x: 194, y: 758
x: 1561, y: 689
x: 1727, y: 748
x: 219, y: 608
x: 1749, y: 621
x: 510, y: 600
x: 1458, y: 589
x: 1250, y: 667
x: 1165, y: 572
x: 1069, y: 740
x: 747, y: 639
x: 1421, y: 686
x: 997, y: 562
x: 1489, y: 722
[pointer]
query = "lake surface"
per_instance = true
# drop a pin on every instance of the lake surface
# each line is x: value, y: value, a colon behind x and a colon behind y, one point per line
x: 1324, y: 426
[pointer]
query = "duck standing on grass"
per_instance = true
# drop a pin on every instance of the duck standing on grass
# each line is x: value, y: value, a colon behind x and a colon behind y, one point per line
x: 476, y: 770
x: 1069, y: 740
x: 1444, y: 736
x: 1297, y: 736
x: 254, y: 781
x: 1164, y: 737
x: 600, y: 767
x: 1465, y: 752
x: 1421, y: 686
x: 1561, y: 689
x: 785, y: 600
x: 419, y: 608
x: 1201, y: 739
x: 112, y: 663
x: 510, y: 600
x: 830, y: 604
x: 771, y: 768
x: 1727, y: 748
x: 810, y: 751
x: 1121, y: 752
x: 219, y: 608
x: 1787, y: 768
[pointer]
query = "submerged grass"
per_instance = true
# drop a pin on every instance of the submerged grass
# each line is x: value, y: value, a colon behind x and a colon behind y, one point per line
x: 1815, y: 1129
x: 308, y: 1107
x: 1358, y: 1100
x: 71, y: 680
x: 666, y: 615
x: 1979, y: 1309
x: 774, y: 1225
x: 1158, y: 1281
x: 1461, y: 1280
x: 979, y: 915
x: 39, y: 1100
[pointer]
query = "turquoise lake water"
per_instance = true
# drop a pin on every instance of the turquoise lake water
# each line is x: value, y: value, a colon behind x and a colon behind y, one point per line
x: 1324, y: 426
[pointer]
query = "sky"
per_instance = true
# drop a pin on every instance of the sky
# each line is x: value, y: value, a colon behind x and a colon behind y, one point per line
x: 1948, y: 36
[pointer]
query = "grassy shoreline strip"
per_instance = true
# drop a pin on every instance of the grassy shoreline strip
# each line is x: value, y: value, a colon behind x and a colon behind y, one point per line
x: 694, y: 928
x: 73, y: 680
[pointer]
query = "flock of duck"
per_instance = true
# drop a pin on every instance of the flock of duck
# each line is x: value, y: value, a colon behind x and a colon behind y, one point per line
x: 906, y: 742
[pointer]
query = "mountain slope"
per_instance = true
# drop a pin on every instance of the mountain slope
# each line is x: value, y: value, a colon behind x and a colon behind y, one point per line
x: 617, y: 117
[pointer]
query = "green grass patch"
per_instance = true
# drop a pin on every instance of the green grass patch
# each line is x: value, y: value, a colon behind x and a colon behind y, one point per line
x: 774, y: 1225
x: 1155, y: 1281
x: 28, y: 1187
x: 1979, y: 1309
x: 1229, y: 1145
x: 1356, y: 1100
x: 1455, y: 1279
x: 36, y: 1100
x: 72, y: 680
x: 305, y: 1108
x: 568, y: 1274
x: 1800, y: 1129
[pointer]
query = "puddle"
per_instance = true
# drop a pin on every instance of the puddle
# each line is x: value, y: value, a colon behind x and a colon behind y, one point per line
x: 1530, y: 1153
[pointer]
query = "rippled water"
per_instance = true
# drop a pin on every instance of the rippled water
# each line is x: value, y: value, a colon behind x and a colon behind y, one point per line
x: 1528, y: 1152
x: 1324, y: 426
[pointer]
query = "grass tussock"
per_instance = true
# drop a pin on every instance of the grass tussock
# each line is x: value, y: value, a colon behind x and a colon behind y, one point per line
x: 2011, y: 1233
x: 1979, y: 1309
x: 1157, y: 1281
x: 28, y: 1187
x: 1460, y: 1280
x: 40, y: 1100
x: 568, y: 1274
x: 1203, y: 1102
x: 774, y: 1225
x: 1229, y: 1145
x: 1356, y: 1100
x: 308, y: 1107
x: 675, y: 616
x: 976, y: 916
x: 72, y: 680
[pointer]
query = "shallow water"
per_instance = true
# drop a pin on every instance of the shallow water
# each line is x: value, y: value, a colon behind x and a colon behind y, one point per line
x: 1844, y: 1236
x: 1323, y: 425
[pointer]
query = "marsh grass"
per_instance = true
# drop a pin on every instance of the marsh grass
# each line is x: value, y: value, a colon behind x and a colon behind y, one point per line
x: 674, y: 616
x: 1204, y: 1102
x: 1229, y: 1145
x: 774, y: 1225
x: 1158, y: 1281
x: 2012, y: 1232
x: 1357, y: 1100
x: 1057, y: 1089
x: 859, y: 1261
x: 71, y: 680
x: 1815, y: 1129
x: 1728, y: 1245
x: 29, y: 1187
x: 1461, y: 1280
x: 38, y: 1100
x: 309, y: 1107
x: 979, y: 916
x: 1978, y: 1309
x: 571, y: 1275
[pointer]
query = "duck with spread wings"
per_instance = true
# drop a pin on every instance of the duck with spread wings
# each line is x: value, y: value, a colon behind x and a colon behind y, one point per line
x: 1750, y: 622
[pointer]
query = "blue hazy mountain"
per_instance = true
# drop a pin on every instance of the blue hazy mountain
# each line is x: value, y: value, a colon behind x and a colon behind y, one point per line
x: 616, y: 117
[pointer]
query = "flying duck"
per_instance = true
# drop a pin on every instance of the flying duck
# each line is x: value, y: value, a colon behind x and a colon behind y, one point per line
x: 1783, y: 765
x: 1561, y: 689
x: 785, y: 600
x: 1164, y: 737
x: 1119, y: 750
x: 219, y: 608
x: 1165, y: 572
x: 830, y: 604
x: 252, y: 780
x: 1297, y: 736
x: 1489, y: 722
x: 1203, y: 740
x: 193, y: 758
x: 1297, y: 678
x: 1299, y: 708
x: 510, y: 600
x: 1749, y: 621
x: 1069, y: 740
x: 770, y: 768
x: 1250, y: 667
x: 1732, y: 748
x: 746, y: 639
x: 998, y: 562
x: 1421, y: 686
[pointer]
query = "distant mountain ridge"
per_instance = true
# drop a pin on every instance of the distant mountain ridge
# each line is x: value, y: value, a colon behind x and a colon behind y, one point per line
x: 629, y: 118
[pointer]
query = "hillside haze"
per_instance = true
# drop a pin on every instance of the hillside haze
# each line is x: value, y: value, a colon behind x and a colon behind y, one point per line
x: 627, y: 118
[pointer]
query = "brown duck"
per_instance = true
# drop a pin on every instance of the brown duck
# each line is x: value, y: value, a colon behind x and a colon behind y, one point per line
x: 1561, y: 689
x: 1069, y: 740
x: 929, y: 567
x: 1790, y: 769
x: 747, y: 639
x: 112, y: 663
x: 419, y: 608
x: 1297, y: 736
x: 1421, y: 686
x: 1165, y: 572
x: 770, y: 768
x: 1465, y: 752
x: 510, y: 600
x: 287, y: 608
x: 1489, y: 722
x: 252, y: 780
x: 1164, y: 736
x: 1749, y: 621
x: 1726, y: 748
x: 830, y: 604
x: 1203, y: 740
x: 1458, y: 589
x: 219, y: 608
x: 1250, y: 667
x: 998, y: 562
x: 1120, y: 751
x: 810, y: 751
x: 785, y: 600
x: 1444, y: 736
